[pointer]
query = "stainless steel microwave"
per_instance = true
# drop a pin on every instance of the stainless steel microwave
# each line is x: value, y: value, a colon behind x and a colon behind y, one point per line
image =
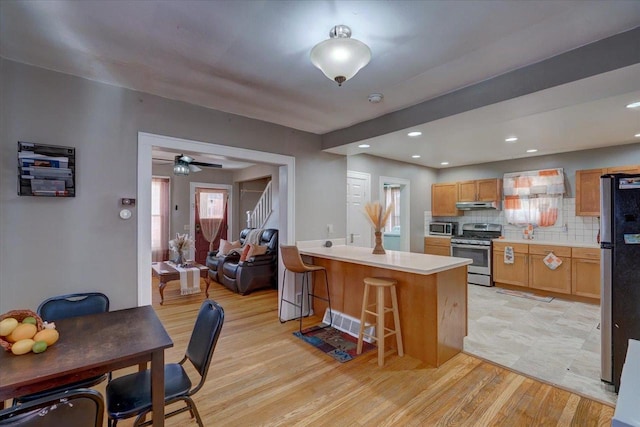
x: 443, y: 228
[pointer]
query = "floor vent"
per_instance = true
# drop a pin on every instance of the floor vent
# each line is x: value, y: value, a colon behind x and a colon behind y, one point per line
x: 350, y: 325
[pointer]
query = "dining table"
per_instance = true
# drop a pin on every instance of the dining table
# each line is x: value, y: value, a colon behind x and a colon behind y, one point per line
x: 90, y: 346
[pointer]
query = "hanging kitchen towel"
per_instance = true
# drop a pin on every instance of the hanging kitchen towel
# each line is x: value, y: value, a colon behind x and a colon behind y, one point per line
x: 508, y: 254
x: 552, y: 261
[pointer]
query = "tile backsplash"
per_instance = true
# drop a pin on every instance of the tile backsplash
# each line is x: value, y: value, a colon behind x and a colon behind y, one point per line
x: 570, y: 228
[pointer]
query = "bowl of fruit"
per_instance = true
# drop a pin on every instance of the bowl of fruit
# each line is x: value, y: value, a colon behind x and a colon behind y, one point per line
x: 23, y: 331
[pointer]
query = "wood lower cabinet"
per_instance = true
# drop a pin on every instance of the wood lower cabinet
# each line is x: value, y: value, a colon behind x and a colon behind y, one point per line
x: 443, y: 199
x: 579, y: 273
x: 437, y: 246
x: 512, y: 274
x: 585, y: 272
x: 542, y: 277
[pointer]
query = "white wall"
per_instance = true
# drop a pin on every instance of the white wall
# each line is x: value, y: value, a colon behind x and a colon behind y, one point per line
x: 53, y: 246
x: 420, y: 178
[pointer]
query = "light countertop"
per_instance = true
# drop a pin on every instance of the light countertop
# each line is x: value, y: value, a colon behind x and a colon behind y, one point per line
x: 393, y: 260
x: 438, y: 237
x: 549, y: 243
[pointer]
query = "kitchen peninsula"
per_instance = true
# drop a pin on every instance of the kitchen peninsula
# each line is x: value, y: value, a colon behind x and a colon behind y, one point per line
x: 432, y: 294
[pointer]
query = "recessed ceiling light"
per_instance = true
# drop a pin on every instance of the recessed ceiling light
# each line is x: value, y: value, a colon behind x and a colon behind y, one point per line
x: 364, y: 146
x: 637, y: 135
x: 416, y: 156
x: 414, y: 133
x: 533, y: 150
x: 634, y: 105
x: 511, y: 139
x: 444, y: 163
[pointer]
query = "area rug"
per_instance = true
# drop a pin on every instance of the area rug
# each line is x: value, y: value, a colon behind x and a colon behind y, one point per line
x: 524, y: 295
x: 337, y: 344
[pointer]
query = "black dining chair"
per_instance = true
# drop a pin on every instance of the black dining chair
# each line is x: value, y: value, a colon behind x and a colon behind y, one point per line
x: 70, y: 408
x: 130, y: 395
x: 62, y: 307
x: 72, y: 305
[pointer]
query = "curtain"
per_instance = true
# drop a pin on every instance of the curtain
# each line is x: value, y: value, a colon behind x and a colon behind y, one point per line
x: 392, y: 195
x: 211, y: 214
x: 160, y: 219
x: 533, y: 197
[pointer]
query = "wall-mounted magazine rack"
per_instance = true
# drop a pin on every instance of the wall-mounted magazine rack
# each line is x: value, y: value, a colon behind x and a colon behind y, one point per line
x: 46, y: 170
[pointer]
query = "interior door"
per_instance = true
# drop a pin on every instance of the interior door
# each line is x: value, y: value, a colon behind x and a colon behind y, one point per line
x: 358, y: 194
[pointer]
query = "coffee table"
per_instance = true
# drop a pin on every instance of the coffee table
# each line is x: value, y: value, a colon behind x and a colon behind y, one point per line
x: 165, y: 272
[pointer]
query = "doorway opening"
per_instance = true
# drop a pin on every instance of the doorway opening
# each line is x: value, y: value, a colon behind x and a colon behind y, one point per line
x: 396, y: 234
x: 146, y: 143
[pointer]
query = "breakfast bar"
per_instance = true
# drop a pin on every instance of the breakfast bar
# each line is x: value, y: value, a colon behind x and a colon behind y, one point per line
x: 432, y: 294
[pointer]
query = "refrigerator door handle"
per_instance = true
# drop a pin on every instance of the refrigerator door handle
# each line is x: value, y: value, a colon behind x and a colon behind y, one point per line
x: 605, y: 210
x: 606, y: 360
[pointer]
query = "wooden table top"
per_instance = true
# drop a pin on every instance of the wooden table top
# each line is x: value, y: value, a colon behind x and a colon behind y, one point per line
x: 88, y: 346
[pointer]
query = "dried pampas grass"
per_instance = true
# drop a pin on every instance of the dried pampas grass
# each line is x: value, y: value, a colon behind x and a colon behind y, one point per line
x: 376, y: 215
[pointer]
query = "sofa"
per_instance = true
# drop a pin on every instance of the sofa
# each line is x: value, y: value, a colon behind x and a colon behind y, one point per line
x: 255, y: 272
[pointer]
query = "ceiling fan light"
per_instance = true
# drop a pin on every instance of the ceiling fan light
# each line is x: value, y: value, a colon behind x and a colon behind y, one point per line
x: 181, y: 168
x: 340, y: 57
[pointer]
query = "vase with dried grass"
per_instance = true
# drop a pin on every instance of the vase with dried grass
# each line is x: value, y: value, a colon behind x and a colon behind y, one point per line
x: 378, y: 216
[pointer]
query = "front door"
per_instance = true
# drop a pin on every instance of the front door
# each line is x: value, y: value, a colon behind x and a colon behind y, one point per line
x: 210, y: 213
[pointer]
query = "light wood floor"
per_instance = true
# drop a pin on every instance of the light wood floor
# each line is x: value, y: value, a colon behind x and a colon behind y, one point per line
x: 262, y: 375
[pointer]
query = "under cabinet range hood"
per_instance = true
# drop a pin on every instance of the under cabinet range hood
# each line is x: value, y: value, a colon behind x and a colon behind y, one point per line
x: 476, y: 206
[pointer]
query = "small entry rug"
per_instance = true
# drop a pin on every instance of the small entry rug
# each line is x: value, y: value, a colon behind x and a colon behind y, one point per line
x: 337, y: 344
x: 524, y: 295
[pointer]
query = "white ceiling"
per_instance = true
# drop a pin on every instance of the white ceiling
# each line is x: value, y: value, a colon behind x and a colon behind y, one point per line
x: 252, y: 58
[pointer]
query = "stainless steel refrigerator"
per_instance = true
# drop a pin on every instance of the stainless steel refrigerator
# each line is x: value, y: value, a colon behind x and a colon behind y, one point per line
x: 620, y: 270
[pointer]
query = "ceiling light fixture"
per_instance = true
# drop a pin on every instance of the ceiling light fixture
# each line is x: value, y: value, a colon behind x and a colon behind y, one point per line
x: 364, y: 146
x: 376, y: 98
x: 637, y: 135
x: 511, y: 139
x: 634, y: 105
x: 444, y: 163
x: 414, y: 133
x: 415, y: 156
x: 180, y: 167
x: 533, y: 150
x: 340, y: 57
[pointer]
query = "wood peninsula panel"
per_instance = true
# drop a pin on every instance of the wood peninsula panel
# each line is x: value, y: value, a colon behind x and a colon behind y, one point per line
x: 433, y: 308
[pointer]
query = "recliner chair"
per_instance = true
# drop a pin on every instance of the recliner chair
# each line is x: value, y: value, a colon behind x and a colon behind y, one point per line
x: 257, y: 272
x: 214, y: 262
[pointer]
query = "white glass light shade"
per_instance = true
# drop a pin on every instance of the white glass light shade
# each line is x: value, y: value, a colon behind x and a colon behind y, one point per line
x: 340, y: 58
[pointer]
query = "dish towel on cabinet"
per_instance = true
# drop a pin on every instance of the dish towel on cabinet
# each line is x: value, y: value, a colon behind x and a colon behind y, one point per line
x: 552, y: 261
x: 508, y: 254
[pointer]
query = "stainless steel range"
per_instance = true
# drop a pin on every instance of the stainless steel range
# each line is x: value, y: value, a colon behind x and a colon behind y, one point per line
x: 475, y: 243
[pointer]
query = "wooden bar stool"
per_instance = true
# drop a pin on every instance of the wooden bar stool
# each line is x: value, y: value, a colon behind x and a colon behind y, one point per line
x: 293, y: 262
x: 380, y: 310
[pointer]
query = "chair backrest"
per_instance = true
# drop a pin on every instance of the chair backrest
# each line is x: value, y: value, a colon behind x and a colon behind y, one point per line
x: 291, y: 259
x: 72, y: 305
x: 204, y: 338
x: 70, y: 408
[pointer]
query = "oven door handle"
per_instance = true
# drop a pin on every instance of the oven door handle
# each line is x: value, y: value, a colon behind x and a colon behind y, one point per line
x: 455, y: 245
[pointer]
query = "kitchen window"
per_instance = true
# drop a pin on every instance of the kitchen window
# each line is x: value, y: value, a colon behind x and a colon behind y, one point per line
x: 534, y: 197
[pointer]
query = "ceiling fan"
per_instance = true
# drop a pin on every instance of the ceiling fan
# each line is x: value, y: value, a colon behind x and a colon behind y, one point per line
x: 183, y: 164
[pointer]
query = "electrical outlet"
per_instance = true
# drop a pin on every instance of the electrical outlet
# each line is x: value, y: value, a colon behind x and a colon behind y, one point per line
x: 329, y: 228
x: 299, y: 298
